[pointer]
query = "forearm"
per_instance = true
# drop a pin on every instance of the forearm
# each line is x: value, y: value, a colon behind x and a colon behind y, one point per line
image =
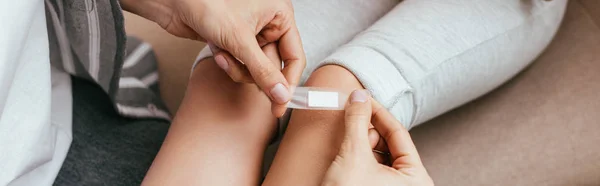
x: 218, y: 136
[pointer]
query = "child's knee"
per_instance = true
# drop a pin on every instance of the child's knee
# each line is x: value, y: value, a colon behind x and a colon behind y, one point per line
x: 212, y: 92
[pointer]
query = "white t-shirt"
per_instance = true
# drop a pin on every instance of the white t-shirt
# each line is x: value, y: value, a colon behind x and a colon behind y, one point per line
x: 35, y: 100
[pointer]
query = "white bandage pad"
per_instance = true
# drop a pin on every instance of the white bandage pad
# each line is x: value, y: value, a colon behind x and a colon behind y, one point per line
x: 323, y: 99
x: 317, y: 98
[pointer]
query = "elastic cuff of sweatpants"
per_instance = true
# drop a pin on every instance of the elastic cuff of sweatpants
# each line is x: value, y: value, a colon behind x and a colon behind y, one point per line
x: 380, y: 76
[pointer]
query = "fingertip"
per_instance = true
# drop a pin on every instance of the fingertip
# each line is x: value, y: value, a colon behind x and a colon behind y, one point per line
x: 280, y: 94
x: 358, y: 104
x: 222, y: 62
x: 359, y: 96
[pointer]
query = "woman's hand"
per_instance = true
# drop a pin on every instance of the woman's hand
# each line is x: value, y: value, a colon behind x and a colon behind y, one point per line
x: 237, y: 29
x: 355, y: 163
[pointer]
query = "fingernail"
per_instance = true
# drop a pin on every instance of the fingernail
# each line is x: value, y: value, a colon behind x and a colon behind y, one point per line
x: 220, y: 60
x: 280, y: 94
x: 359, y: 96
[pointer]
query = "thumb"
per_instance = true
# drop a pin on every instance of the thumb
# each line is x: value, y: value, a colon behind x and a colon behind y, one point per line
x: 244, y: 47
x: 357, y: 119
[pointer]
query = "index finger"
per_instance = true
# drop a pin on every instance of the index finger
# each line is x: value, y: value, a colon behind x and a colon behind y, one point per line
x: 294, y: 60
x: 402, y: 149
x: 292, y: 54
x: 266, y: 75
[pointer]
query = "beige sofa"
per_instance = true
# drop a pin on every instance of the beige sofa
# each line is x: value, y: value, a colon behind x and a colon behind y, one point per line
x: 541, y: 128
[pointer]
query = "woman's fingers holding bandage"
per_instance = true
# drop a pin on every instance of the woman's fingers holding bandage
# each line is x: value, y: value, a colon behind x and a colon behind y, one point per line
x: 388, y: 140
x: 237, y: 70
x: 403, y: 152
x: 240, y: 72
x: 355, y: 163
x: 357, y: 118
x: 233, y: 67
x: 380, y: 149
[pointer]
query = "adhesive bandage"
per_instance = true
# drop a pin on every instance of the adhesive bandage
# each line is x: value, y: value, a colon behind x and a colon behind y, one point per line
x: 317, y: 98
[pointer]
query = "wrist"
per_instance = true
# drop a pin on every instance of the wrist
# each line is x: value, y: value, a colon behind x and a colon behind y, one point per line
x: 158, y: 11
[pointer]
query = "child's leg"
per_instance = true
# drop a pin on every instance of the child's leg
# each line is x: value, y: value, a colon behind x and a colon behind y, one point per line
x: 312, y: 138
x: 218, y: 135
x: 437, y: 70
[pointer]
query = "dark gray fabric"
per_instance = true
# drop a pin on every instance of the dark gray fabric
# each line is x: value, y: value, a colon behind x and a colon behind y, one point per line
x: 107, y: 149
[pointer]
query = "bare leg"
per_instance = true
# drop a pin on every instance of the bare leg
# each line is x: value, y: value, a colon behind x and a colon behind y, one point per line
x: 312, y: 138
x: 218, y: 136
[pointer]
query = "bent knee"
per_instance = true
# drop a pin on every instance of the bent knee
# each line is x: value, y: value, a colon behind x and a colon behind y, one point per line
x: 210, y: 87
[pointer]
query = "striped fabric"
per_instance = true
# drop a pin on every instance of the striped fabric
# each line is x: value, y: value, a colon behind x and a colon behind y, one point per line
x: 87, y: 40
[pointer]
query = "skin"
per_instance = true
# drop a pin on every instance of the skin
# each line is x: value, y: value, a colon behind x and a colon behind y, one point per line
x: 219, y: 134
x: 238, y: 29
x: 223, y: 127
x: 312, y: 138
x: 355, y: 164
